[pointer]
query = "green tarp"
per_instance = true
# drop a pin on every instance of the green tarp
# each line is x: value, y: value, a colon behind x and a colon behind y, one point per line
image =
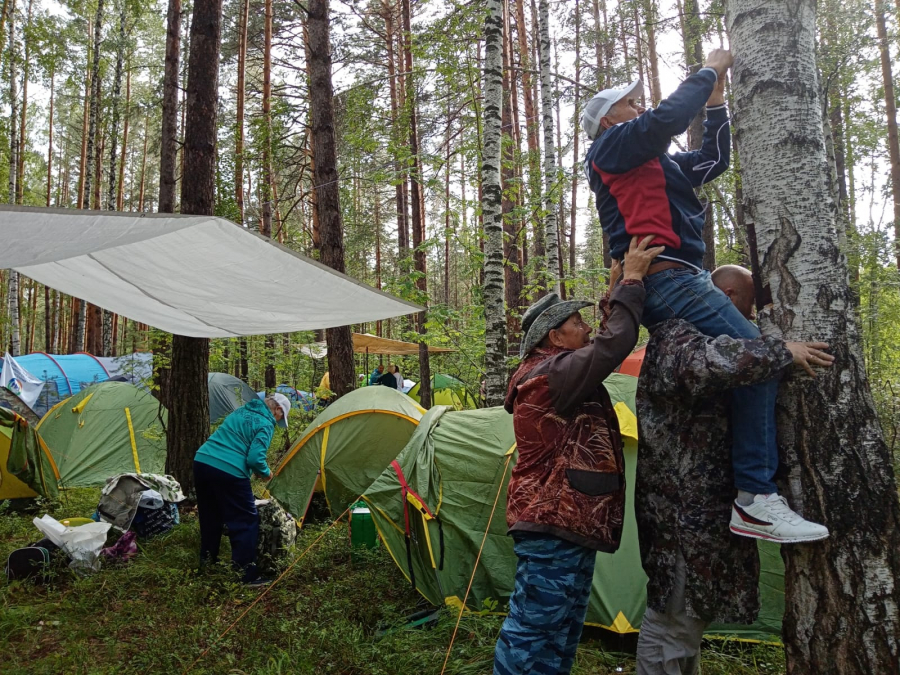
x: 345, y: 448
x: 26, y: 466
x: 104, y: 430
x: 458, y: 463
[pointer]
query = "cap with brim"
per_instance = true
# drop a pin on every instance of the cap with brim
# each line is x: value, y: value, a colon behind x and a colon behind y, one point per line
x: 601, y: 103
x: 545, y: 315
x: 285, y: 406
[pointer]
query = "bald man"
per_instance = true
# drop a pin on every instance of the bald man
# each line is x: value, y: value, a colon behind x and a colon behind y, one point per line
x: 698, y: 572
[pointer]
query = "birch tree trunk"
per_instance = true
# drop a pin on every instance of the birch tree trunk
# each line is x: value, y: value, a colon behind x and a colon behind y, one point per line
x: 13, y: 286
x: 189, y: 424
x: 551, y: 236
x: 325, y: 181
x: 842, y: 594
x: 494, y: 312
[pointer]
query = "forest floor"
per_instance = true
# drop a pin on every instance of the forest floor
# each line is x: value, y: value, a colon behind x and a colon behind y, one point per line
x: 328, y: 615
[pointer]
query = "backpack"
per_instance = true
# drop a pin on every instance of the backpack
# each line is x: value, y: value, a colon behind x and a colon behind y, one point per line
x: 277, y: 533
x: 33, y: 561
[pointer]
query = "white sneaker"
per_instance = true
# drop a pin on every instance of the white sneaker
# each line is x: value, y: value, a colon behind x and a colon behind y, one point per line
x: 769, y: 517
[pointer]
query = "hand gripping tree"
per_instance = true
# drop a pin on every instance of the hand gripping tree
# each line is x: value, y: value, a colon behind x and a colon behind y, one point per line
x: 843, y: 594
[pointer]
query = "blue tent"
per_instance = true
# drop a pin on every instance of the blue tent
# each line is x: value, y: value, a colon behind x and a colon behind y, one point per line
x: 299, y: 399
x: 64, y: 375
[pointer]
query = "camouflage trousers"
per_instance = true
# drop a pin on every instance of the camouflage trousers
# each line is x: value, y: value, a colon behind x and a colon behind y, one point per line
x: 547, y: 608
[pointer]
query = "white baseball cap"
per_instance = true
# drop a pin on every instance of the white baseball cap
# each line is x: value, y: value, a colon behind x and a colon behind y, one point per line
x: 285, y: 406
x: 600, y: 104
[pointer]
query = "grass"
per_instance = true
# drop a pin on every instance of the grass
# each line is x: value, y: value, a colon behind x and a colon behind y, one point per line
x: 157, y: 615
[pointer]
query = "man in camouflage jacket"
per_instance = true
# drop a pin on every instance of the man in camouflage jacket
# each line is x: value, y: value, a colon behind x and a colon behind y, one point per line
x: 698, y: 572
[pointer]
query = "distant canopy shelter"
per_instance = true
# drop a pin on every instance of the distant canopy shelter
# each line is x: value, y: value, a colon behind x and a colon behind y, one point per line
x: 198, y: 276
x: 366, y: 343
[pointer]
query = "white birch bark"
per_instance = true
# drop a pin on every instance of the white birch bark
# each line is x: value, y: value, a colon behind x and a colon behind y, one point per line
x: 13, y: 287
x: 842, y: 595
x: 551, y: 189
x: 494, y: 310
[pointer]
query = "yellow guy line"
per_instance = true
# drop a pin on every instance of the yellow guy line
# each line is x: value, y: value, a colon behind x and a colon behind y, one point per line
x: 462, y: 606
x: 263, y: 594
x: 137, y: 464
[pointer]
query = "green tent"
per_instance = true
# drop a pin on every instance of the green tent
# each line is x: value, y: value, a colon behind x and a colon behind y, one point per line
x: 106, y: 429
x: 447, y: 390
x: 26, y: 467
x: 226, y: 394
x: 457, y: 466
x: 345, y: 448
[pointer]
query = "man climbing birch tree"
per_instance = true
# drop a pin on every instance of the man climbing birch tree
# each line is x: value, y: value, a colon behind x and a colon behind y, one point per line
x: 843, y: 594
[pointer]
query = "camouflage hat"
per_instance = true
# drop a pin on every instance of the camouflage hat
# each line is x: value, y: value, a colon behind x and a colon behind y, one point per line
x: 545, y: 315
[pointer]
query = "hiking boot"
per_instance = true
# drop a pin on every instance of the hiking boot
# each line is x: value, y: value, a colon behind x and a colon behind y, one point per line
x: 769, y: 517
x: 258, y: 582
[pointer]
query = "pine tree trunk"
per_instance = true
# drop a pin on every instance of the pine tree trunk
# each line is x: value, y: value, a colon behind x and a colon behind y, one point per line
x: 83, y: 170
x: 890, y: 104
x: 23, y: 133
x: 417, y: 211
x: 576, y: 169
x: 650, y: 18
x: 50, y: 139
x: 94, y: 115
x: 550, y: 193
x: 13, y: 286
x: 266, y: 183
x: 189, y: 424
x: 841, y: 594
x: 531, y: 130
x: 144, y: 164
x: 168, y: 151
x: 494, y: 314
x: 239, y: 114
x: 120, y: 193
x: 321, y: 105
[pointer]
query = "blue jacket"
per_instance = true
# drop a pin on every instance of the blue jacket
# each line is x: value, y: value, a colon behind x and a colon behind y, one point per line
x: 240, y: 444
x: 642, y: 190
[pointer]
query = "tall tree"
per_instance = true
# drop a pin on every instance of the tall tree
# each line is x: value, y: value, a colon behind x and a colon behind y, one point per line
x: 189, y: 424
x: 550, y: 188
x: 242, y: 366
x: 325, y: 181
x: 13, y: 286
x: 847, y: 587
x: 890, y: 105
x: 23, y: 116
x: 267, y: 183
x: 417, y: 203
x: 494, y: 313
x: 168, y: 151
x: 693, y: 59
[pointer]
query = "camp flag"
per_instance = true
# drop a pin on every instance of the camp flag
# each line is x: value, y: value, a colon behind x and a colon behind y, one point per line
x: 19, y: 381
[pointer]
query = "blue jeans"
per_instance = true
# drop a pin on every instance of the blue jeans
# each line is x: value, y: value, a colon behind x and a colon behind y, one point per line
x: 223, y: 499
x: 689, y: 295
x: 547, y: 608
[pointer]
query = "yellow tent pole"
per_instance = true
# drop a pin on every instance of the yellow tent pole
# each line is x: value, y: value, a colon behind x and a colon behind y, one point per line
x: 134, y: 452
x: 322, y: 463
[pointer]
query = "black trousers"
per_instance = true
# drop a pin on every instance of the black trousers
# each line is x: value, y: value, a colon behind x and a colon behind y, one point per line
x: 223, y: 499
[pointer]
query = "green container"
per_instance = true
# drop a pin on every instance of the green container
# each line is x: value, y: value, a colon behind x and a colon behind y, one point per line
x: 362, y: 528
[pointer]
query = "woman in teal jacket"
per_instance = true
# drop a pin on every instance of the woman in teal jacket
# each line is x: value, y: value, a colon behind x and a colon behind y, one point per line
x: 222, y: 469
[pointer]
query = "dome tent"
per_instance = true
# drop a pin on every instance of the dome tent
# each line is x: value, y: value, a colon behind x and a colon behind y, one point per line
x: 345, y: 448
x: 107, y: 429
x: 447, y: 390
x: 27, y: 468
x: 456, y: 465
x: 226, y: 394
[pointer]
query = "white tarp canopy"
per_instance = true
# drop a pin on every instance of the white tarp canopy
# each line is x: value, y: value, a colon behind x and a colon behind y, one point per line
x: 198, y: 276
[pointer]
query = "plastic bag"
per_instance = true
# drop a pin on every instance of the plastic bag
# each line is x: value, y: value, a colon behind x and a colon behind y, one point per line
x: 82, y: 544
